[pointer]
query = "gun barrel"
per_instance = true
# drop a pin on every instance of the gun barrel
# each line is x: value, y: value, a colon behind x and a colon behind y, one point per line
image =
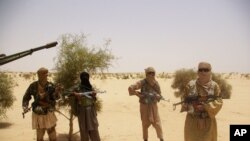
x: 52, y: 44
x: 175, y: 104
x: 48, y: 45
x: 10, y: 58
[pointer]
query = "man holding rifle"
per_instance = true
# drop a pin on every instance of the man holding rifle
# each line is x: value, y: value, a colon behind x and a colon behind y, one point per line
x: 149, y: 95
x: 202, y: 102
x: 84, y: 108
x: 45, y: 95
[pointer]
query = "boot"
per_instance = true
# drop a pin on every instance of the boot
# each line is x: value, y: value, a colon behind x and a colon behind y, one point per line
x: 161, y: 140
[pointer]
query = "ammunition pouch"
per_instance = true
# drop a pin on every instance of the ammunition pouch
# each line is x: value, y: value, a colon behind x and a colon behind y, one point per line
x: 86, y: 102
x: 41, y: 110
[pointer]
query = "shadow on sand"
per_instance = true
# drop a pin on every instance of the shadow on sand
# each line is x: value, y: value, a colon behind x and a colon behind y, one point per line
x: 64, y: 137
x: 5, y: 125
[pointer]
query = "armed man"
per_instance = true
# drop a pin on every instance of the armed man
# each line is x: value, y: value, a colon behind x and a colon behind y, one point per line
x: 83, y: 106
x: 203, y: 105
x: 45, y: 95
x: 149, y: 95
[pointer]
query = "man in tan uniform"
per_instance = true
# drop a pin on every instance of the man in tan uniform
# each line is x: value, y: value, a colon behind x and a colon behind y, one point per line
x: 44, y: 94
x: 200, y: 123
x: 149, y: 95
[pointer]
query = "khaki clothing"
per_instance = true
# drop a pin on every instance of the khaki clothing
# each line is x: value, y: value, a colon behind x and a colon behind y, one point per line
x: 200, y: 129
x: 150, y: 115
x: 149, y: 110
x: 201, y: 125
x: 43, y: 121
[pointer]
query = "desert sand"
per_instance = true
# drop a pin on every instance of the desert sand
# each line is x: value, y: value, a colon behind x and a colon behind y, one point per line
x: 120, y: 118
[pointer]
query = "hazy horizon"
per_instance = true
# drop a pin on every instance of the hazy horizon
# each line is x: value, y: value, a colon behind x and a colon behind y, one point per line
x: 168, y: 35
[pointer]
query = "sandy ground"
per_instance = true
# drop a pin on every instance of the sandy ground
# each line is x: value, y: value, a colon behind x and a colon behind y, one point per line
x: 120, y: 117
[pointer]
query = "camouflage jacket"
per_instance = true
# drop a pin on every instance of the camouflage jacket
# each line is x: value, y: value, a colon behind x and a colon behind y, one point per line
x: 49, y: 100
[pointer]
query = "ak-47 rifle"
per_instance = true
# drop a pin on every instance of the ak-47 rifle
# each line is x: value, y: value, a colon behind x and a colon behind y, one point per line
x: 196, y: 98
x: 150, y: 97
x: 86, y: 94
x: 38, y: 108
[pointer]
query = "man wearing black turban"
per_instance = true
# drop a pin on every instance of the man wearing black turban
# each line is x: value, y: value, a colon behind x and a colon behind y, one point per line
x: 86, y: 112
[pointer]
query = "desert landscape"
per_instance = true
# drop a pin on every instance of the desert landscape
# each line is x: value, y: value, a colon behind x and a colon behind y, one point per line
x: 119, y: 119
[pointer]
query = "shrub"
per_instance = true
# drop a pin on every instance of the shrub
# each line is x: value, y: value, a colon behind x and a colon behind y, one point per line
x: 27, y: 76
x: 181, y: 79
x: 183, y: 76
x: 6, y: 94
x: 226, y: 89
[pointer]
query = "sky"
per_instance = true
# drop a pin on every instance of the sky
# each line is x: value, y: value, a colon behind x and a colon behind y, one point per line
x: 166, y: 34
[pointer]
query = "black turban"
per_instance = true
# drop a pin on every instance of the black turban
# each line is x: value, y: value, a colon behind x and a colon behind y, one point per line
x: 84, y: 76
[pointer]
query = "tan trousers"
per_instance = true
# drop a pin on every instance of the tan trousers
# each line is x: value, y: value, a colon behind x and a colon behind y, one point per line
x: 150, y: 115
x: 193, y: 131
x: 51, y: 133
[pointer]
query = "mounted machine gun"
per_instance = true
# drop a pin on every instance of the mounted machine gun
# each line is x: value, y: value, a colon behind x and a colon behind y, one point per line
x: 4, y: 59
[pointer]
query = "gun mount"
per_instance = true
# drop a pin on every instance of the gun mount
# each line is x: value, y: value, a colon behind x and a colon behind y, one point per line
x: 4, y: 59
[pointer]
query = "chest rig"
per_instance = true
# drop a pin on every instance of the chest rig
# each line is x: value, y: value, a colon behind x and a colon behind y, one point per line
x: 195, y: 90
x: 149, y: 92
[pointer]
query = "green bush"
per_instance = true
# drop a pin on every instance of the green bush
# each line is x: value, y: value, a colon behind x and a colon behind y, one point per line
x: 6, y: 94
x: 75, y: 56
x: 226, y: 89
x: 183, y: 76
x: 181, y: 79
x: 27, y: 76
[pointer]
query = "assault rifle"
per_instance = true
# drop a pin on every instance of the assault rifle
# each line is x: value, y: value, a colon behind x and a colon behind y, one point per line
x: 86, y: 94
x: 42, y: 104
x: 195, y: 98
x: 149, y: 97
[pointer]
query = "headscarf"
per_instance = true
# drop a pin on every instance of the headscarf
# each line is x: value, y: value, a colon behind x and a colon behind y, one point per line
x: 42, y: 71
x: 150, y: 79
x: 42, y: 75
x: 84, y: 76
x: 204, y: 78
x: 149, y: 69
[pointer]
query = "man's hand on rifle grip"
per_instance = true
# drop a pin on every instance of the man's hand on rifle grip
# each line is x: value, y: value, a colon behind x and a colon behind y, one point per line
x: 137, y: 93
x: 77, y: 95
